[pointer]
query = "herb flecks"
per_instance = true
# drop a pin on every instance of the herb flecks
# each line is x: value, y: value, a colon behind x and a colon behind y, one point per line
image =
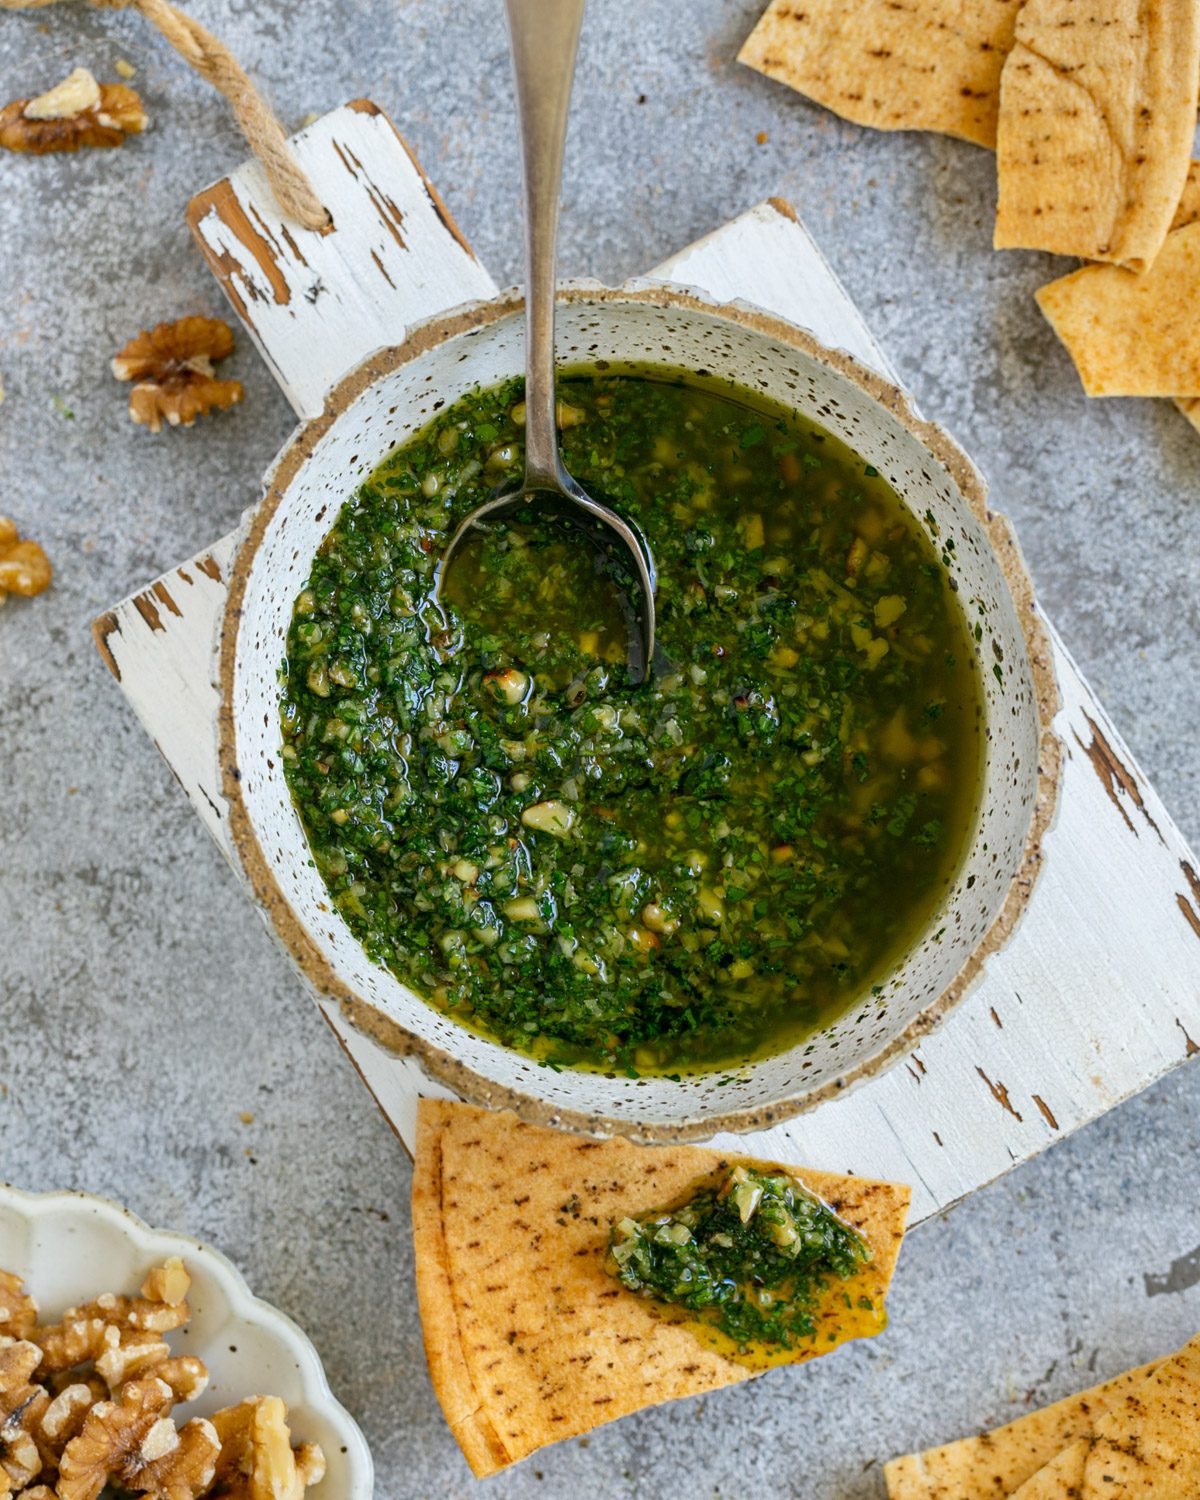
x: 751, y: 1254
x: 643, y: 880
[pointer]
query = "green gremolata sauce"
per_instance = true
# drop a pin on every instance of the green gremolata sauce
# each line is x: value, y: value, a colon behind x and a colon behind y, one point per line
x: 666, y: 878
x: 752, y: 1255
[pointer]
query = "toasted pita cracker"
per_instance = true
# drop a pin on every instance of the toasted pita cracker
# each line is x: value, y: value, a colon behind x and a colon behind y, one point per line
x: 1190, y: 407
x: 528, y: 1338
x: 893, y: 64
x: 1187, y: 210
x: 1146, y: 1444
x: 1097, y: 115
x: 1133, y: 335
x: 996, y: 1463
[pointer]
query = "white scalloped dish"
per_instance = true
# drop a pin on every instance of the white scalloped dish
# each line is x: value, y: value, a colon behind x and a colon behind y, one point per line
x: 68, y: 1247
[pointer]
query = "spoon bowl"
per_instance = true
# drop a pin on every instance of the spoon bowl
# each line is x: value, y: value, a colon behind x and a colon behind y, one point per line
x: 619, y: 551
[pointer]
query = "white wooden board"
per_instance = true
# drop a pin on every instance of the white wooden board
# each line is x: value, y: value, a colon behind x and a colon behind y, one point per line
x: 316, y: 304
x: 1098, y: 993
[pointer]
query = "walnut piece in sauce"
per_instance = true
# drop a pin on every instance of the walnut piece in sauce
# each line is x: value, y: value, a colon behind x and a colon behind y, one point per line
x: 76, y: 112
x: 172, y: 365
x: 89, y: 1402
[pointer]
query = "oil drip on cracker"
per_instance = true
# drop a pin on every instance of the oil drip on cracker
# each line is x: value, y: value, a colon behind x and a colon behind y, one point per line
x: 24, y: 567
x: 90, y: 1401
x: 76, y: 112
x: 172, y: 367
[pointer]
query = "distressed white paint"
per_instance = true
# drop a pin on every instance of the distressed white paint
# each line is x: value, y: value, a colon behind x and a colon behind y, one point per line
x: 342, y: 295
x: 1095, y: 996
x: 789, y: 276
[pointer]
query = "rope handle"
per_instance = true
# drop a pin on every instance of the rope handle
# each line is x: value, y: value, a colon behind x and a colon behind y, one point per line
x: 213, y: 60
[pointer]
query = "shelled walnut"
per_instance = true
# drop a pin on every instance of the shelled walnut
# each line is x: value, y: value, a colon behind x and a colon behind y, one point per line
x: 257, y: 1460
x: 76, y: 112
x: 18, y: 1310
x: 24, y: 569
x: 22, y: 1405
x: 88, y: 1403
x: 173, y: 367
x: 134, y: 1441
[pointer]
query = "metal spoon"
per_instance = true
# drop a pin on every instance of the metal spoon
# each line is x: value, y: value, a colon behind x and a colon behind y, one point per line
x: 544, y: 35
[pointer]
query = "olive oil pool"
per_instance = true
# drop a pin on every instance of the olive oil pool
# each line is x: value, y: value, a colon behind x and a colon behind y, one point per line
x: 666, y: 878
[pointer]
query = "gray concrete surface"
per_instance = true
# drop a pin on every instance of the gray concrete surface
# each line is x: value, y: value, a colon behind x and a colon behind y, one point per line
x: 142, y: 1009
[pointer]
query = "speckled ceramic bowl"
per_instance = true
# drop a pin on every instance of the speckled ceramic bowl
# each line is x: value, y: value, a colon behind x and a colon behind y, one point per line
x: 396, y: 392
x: 69, y: 1247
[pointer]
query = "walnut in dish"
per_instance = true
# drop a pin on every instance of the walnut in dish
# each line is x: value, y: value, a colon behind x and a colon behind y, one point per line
x: 89, y: 1403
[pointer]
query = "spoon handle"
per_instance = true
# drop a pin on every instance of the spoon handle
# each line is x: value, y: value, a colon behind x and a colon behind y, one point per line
x: 544, y: 35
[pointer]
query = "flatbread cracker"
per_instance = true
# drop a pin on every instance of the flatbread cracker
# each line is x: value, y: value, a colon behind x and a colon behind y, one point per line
x: 1147, y: 1443
x: 1190, y: 407
x: 996, y: 1463
x: 528, y: 1339
x: 1133, y: 335
x: 892, y: 64
x: 1187, y: 210
x: 1097, y: 116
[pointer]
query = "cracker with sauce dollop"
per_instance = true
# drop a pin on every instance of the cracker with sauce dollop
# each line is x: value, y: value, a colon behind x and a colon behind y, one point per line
x: 528, y: 1338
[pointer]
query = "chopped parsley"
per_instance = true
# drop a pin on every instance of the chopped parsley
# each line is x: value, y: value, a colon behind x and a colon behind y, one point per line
x: 643, y: 880
x: 751, y: 1255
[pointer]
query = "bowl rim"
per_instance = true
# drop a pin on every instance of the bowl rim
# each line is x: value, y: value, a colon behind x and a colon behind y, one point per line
x: 244, y: 1306
x: 442, y: 1066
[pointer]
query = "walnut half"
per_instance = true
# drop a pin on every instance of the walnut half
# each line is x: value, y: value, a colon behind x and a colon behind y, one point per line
x: 77, y: 112
x: 18, y: 1310
x: 22, y: 1405
x: 173, y: 367
x: 24, y: 569
x: 257, y: 1460
x: 134, y: 1443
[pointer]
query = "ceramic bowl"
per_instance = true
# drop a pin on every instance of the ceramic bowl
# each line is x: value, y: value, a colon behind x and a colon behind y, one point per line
x: 396, y: 392
x: 69, y: 1247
